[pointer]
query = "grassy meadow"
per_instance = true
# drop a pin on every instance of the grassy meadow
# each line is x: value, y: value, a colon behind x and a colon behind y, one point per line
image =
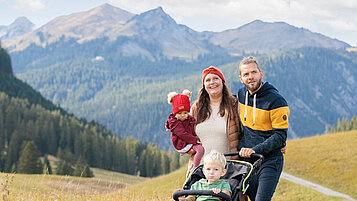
x: 56, y: 187
x: 328, y: 160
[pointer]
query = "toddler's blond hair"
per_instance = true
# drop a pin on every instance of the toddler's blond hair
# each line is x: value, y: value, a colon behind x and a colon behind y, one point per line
x: 215, y: 157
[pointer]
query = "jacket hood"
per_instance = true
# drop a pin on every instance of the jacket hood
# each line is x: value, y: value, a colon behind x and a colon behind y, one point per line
x: 267, y: 87
x: 260, y: 94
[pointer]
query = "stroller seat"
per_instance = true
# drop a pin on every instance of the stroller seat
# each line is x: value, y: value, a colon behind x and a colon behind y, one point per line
x: 237, y: 176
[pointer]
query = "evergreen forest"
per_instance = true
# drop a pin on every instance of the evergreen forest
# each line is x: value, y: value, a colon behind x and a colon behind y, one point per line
x: 30, y: 125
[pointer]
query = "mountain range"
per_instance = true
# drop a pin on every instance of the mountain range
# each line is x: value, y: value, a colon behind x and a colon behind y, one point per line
x: 176, y: 40
x: 116, y: 67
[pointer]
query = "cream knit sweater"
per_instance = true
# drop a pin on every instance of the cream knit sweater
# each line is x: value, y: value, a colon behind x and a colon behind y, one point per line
x: 212, y: 132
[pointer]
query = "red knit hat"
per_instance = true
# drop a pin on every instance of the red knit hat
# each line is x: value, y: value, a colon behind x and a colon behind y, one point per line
x: 212, y: 70
x: 180, y: 103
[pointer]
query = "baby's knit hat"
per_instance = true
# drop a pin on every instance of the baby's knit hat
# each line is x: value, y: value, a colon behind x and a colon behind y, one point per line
x: 180, y: 102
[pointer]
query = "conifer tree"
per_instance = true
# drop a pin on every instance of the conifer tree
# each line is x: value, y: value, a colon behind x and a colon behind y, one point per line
x: 87, y: 172
x: 13, y: 152
x: 165, y: 162
x: 64, y: 168
x: 29, y: 162
x: 174, y: 161
x: 47, y: 169
x: 79, y: 167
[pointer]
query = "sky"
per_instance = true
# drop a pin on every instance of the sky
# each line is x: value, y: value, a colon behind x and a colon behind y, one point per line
x: 332, y: 18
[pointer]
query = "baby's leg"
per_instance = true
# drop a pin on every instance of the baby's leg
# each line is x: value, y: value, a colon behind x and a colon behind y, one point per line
x: 199, y: 154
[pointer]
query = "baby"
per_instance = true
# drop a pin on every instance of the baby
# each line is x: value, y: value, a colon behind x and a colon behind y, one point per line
x: 182, y: 127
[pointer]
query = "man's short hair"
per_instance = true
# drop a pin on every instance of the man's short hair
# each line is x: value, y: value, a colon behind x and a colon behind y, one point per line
x: 215, y: 157
x: 248, y: 60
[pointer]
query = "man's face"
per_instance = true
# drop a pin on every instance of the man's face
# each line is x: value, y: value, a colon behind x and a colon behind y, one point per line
x: 251, y: 77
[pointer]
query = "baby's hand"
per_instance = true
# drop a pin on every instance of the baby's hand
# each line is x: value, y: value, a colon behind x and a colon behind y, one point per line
x: 199, y: 142
x: 216, y: 190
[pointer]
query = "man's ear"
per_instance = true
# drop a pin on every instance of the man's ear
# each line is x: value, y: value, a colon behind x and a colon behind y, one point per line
x: 240, y: 78
x: 262, y: 73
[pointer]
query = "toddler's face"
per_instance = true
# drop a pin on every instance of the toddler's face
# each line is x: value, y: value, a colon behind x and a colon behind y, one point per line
x: 181, y: 115
x: 213, y: 172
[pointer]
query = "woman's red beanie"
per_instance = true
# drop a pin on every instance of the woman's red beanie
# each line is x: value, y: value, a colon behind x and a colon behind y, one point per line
x: 212, y: 70
x: 180, y: 103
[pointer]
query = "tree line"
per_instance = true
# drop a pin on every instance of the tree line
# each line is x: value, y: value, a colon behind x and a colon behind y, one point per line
x: 343, y: 125
x: 71, y: 140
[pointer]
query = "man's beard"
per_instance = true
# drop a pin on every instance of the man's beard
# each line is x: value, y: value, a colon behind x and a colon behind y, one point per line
x: 254, y: 88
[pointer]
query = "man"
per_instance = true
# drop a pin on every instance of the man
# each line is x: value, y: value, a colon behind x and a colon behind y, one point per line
x: 264, y: 114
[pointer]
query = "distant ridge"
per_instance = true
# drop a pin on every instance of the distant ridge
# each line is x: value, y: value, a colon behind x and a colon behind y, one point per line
x: 266, y: 37
x: 175, y: 40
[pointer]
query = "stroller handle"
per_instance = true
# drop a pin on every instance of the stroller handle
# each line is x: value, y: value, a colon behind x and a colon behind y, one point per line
x: 179, y: 193
x: 258, y: 157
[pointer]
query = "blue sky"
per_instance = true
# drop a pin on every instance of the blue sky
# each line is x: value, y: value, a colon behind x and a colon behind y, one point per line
x: 333, y: 18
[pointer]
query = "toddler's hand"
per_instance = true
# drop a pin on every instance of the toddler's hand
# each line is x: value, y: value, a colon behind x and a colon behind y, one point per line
x: 216, y: 190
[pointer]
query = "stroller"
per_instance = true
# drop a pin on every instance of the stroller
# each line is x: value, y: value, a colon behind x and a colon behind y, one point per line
x: 237, y: 175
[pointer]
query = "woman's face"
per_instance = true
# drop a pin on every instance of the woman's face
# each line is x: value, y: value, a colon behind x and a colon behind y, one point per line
x: 213, y: 84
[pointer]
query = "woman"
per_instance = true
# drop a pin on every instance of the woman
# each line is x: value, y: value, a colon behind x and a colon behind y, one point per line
x: 217, y: 118
x: 216, y: 112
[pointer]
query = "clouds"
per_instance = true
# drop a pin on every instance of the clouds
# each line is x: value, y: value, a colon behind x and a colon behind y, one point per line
x: 28, y: 5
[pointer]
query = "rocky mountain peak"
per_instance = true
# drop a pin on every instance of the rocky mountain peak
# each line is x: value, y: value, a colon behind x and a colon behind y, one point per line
x: 23, y: 21
x: 155, y: 16
x: 20, y: 26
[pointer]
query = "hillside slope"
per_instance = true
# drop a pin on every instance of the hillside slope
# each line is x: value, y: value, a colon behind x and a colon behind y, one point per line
x: 316, y: 82
x: 329, y: 160
x: 26, y: 116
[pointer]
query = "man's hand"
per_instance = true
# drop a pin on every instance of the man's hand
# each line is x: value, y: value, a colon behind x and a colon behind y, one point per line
x: 246, y: 152
x: 283, y: 150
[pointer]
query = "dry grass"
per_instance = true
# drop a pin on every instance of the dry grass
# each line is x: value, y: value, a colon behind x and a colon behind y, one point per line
x: 329, y: 160
x: 54, y: 187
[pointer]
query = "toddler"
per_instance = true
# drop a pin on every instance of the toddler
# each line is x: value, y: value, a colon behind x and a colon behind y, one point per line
x: 213, y: 169
x: 182, y: 127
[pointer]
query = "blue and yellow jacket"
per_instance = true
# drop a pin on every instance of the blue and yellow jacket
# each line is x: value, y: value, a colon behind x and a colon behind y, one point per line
x: 264, y: 116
